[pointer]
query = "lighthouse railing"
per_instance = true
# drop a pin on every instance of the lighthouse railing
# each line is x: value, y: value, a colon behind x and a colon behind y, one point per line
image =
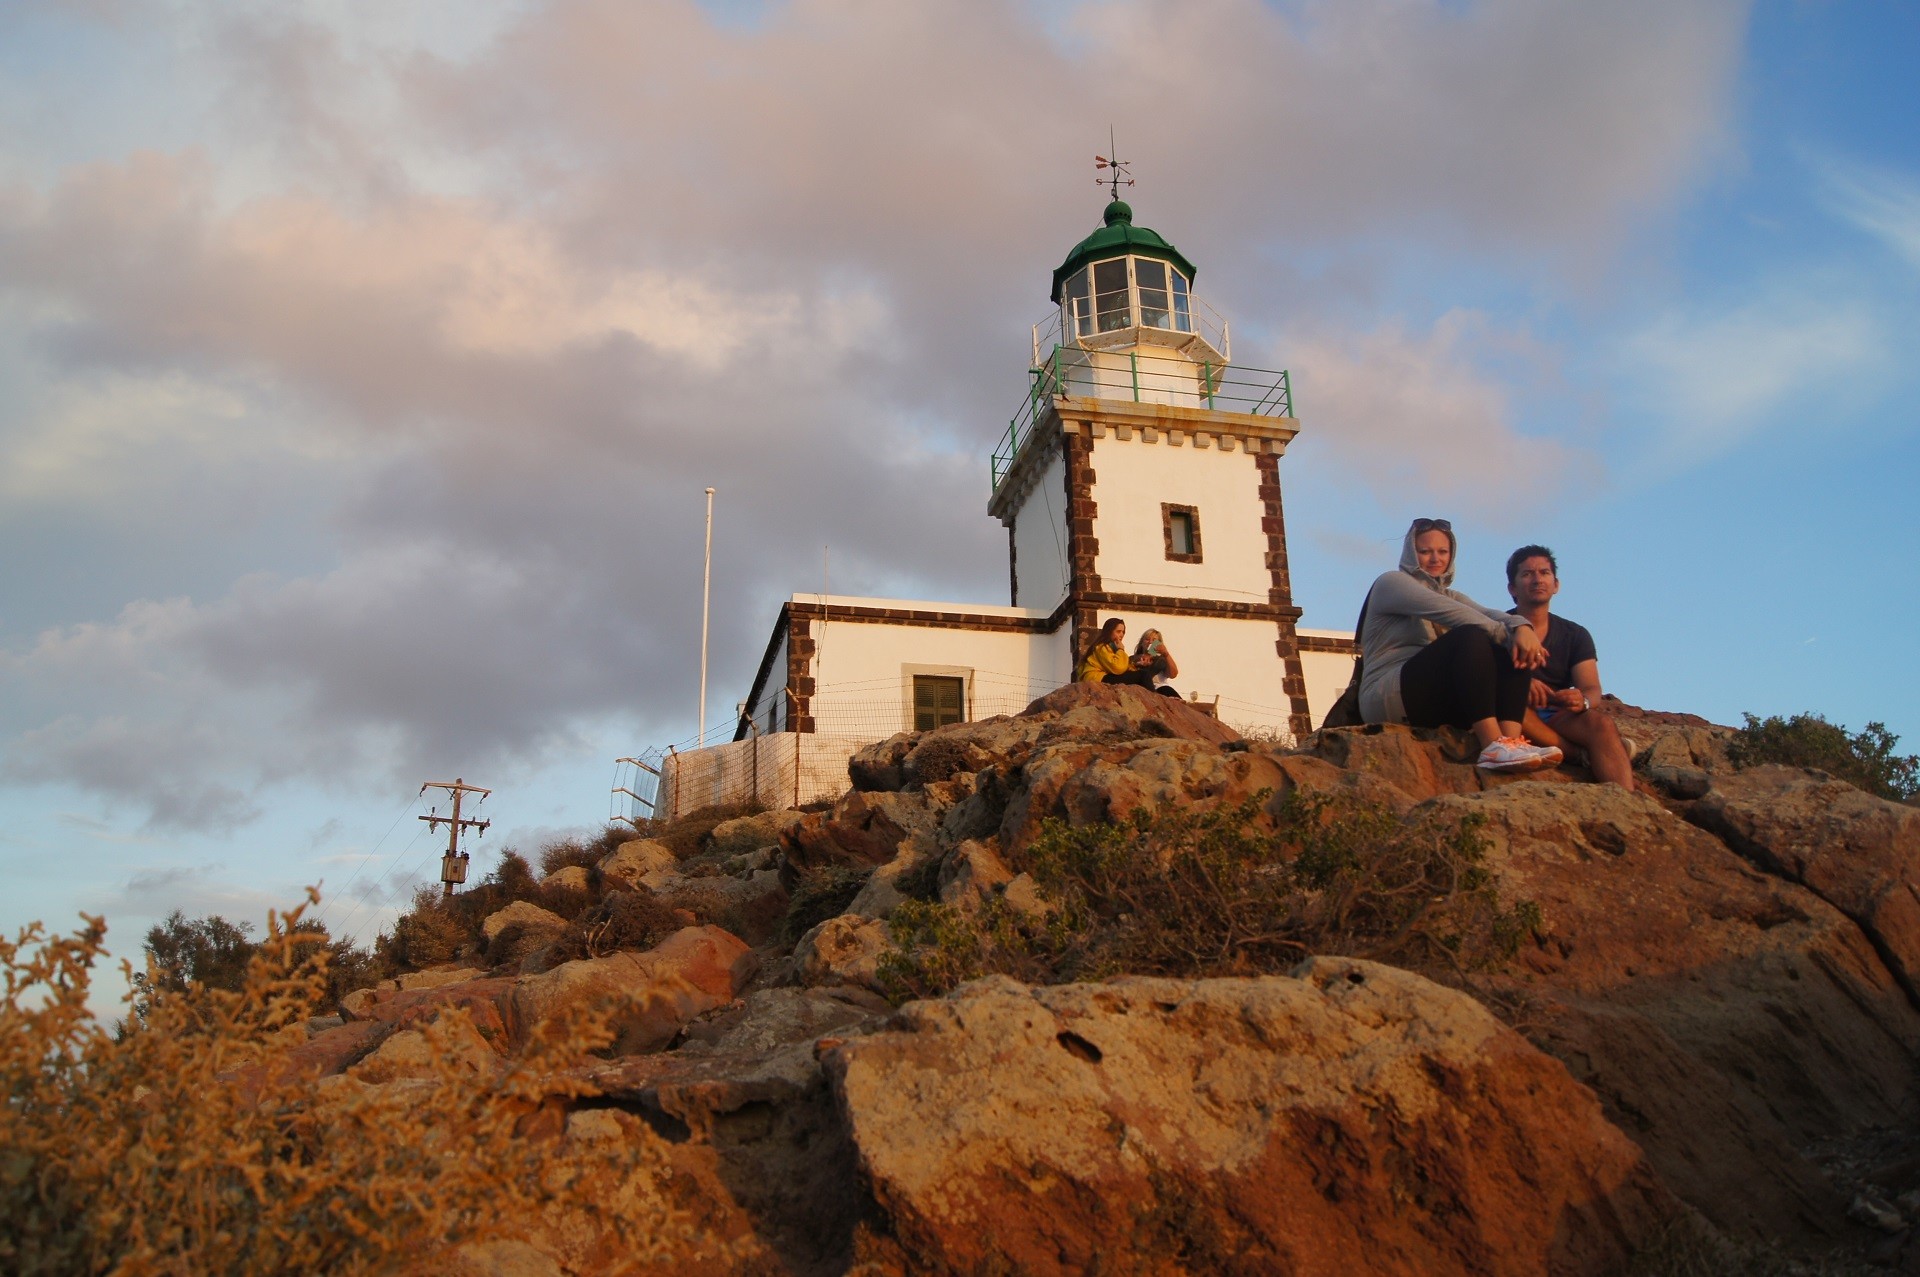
x: 1140, y: 375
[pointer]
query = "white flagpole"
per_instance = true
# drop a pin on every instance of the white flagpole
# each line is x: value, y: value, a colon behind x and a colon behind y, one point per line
x: 706, y: 601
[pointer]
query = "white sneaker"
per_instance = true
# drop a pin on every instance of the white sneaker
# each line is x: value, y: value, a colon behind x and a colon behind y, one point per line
x: 1512, y: 754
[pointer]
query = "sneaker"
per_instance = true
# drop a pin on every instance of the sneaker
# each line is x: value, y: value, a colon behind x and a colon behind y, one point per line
x: 1511, y: 754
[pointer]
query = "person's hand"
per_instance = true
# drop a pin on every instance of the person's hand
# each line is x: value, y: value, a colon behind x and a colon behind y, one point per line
x: 1568, y: 698
x: 1539, y: 695
x: 1529, y: 653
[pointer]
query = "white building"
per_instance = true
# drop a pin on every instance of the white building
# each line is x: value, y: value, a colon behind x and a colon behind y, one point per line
x: 1140, y: 478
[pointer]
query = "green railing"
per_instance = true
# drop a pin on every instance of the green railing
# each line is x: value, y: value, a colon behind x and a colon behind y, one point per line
x: 1141, y: 377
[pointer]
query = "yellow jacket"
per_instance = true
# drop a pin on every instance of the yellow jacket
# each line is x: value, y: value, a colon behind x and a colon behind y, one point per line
x: 1104, y: 660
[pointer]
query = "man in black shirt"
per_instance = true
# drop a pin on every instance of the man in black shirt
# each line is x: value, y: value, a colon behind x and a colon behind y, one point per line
x: 1564, y: 705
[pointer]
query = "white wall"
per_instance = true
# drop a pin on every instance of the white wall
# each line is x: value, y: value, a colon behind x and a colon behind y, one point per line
x: 1234, y: 660
x: 863, y: 670
x: 1040, y: 539
x: 1131, y: 480
x: 782, y: 770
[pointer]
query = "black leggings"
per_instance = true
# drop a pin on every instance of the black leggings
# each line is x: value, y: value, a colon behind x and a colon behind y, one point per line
x: 1142, y: 678
x: 1460, y: 678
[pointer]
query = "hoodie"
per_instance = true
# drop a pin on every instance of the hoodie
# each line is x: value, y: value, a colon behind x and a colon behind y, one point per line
x: 1406, y: 610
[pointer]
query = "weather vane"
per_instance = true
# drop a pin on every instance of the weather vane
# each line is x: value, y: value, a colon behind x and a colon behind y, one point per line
x: 1121, y: 172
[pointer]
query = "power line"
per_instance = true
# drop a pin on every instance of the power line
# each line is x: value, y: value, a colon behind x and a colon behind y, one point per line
x: 406, y: 807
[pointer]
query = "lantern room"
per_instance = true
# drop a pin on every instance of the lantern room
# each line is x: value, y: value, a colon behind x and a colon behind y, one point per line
x: 1125, y: 286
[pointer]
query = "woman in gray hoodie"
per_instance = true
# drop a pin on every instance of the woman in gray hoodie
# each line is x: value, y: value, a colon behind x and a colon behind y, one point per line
x: 1432, y: 655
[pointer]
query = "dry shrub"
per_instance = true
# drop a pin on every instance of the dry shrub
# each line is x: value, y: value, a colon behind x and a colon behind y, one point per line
x: 570, y: 902
x: 687, y: 837
x: 1195, y: 894
x: 187, y: 1145
x: 635, y: 919
x: 822, y: 893
x: 428, y: 934
x: 569, y: 852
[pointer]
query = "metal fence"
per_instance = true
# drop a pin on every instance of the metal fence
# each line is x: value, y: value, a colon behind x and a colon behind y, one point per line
x: 1141, y: 376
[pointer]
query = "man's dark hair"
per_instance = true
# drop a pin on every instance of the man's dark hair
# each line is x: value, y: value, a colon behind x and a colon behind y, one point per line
x: 1526, y: 552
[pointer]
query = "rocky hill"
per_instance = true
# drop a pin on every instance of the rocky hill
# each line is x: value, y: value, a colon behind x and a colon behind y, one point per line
x: 1569, y: 1029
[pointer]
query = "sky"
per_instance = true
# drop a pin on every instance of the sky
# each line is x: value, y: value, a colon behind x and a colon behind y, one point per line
x: 363, y: 363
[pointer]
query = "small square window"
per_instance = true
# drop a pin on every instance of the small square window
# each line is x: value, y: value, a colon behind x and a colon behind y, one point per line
x: 937, y: 701
x: 1180, y: 524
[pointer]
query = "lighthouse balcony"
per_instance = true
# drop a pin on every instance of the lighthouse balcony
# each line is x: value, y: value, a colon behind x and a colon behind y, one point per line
x: 1139, y: 374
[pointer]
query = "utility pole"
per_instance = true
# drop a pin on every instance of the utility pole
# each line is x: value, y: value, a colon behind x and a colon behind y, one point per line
x: 706, y: 598
x: 453, y: 865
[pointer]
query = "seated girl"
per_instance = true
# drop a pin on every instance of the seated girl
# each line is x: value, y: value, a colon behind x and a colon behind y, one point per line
x: 1433, y: 656
x: 1153, y: 657
x: 1107, y: 660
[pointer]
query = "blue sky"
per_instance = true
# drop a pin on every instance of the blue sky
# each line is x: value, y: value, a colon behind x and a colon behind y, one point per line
x: 361, y: 366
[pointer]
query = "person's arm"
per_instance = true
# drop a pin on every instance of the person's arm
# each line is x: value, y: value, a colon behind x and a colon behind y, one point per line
x: 1111, y: 659
x: 1397, y: 594
x: 1173, y: 670
x: 1585, y: 692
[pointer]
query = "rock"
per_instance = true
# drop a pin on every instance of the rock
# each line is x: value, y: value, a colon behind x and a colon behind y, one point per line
x: 503, y: 1259
x: 632, y: 861
x: 1417, y: 763
x: 972, y: 874
x: 1679, y: 782
x: 752, y: 907
x: 750, y: 833
x: 1681, y: 741
x: 751, y: 862
x: 481, y: 999
x: 651, y: 994
x: 878, y: 766
x: 760, y: 1050
x: 356, y: 1004
x: 316, y: 1025
x: 332, y: 1051
x: 1105, y: 709
x: 1859, y: 853
x: 569, y: 878
x: 1870, y: 1210
x: 411, y: 1053
x: 1024, y: 898
x: 433, y: 978
x: 1703, y: 1001
x: 882, y: 893
x: 842, y: 950
x: 1266, y: 1125
x: 862, y: 829
x: 523, y: 914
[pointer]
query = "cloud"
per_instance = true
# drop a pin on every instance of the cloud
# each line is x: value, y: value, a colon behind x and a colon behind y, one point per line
x: 452, y: 321
x: 1883, y: 203
x: 1412, y: 415
x: 1714, y: 378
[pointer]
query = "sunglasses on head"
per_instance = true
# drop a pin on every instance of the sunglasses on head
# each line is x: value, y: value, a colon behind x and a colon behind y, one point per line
x: 1429, y: 525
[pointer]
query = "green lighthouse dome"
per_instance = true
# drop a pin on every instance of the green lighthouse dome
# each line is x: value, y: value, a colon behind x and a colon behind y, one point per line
x: 1118, y: 237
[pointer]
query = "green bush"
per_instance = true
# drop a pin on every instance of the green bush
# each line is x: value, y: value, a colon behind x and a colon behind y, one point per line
x: 1180, y: 893
x: 1865, y: 759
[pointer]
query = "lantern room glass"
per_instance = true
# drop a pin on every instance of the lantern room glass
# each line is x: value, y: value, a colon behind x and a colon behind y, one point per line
x: 1126, y: 292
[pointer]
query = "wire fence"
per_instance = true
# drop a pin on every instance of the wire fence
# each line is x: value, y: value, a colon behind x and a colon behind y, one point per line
x: 792, y: 769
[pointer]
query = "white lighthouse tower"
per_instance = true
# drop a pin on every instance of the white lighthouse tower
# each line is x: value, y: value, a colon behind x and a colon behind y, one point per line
x: 1139, y: 477
x: 1142, y: 479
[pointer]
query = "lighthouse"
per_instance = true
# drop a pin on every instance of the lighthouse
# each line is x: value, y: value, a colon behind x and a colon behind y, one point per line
x: 1139, y: 477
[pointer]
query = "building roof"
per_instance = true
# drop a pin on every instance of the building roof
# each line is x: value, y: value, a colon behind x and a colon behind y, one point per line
x: 1118, y: 236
